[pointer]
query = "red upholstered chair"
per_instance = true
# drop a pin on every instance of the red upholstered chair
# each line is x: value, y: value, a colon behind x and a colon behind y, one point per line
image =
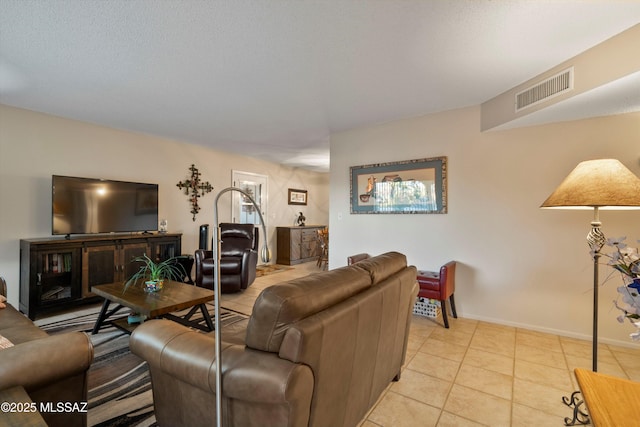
x: 440, y: 286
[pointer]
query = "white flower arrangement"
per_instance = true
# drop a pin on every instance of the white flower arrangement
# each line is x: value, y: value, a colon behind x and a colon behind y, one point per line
x: 626, y: 261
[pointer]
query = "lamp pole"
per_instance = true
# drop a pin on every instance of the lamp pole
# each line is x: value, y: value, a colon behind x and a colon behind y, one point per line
x: 266, y: 257
x: 596, y: 240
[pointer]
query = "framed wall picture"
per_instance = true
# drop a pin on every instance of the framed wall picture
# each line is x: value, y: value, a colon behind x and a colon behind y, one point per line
x: 406, y: 187
x: 297, y: 197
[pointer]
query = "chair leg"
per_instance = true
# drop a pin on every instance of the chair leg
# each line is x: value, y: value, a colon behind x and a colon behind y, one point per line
x: 443, y: 308
x: 453, y: 306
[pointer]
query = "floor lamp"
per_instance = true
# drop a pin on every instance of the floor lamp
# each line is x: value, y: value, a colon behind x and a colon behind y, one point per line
x: 266, y: 257
x: 595, y: 184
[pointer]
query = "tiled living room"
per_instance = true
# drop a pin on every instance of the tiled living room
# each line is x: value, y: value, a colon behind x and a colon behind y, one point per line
x: 476, y: 373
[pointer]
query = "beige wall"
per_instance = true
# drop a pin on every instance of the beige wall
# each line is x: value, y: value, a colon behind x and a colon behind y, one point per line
x: 35, y: 146
x: 519, y: 265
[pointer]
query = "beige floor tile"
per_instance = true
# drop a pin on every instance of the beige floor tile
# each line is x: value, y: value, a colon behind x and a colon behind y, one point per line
x: 541, y: 397
x: 424, y: 388
x: 452, y: 420
x: 525, y: 416
x: 496, y: 327
x: 435, y: 366
x: 539, y: 340
x: 609, y: 368
x: 462, y: 325
x: 634, y: 375
x: 491, y: 361
x: 581, y: 348
x: 414, y: 343
x: 479, y: 407
x: 451, y: 336
x: 494, y: 343
x: 541, y: 374
x: 491, y: 382
x: 443, y: 349
x: 540, y: 355
x: 420, y: 328
x: 395, y: 410
x: 631, y: 351
x: 629, y: 359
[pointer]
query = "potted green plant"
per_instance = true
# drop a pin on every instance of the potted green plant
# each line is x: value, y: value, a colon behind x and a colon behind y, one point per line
x: 153, y: 274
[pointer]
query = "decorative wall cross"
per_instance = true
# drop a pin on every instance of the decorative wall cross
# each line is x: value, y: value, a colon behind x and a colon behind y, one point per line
x: 192, y: 186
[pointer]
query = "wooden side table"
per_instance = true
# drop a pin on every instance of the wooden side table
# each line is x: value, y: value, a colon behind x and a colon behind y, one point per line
x: 18, y: 410
x: 611, y: 401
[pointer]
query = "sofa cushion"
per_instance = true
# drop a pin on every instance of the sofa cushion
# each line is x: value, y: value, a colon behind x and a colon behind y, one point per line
x: 383, y: 266
x: 280, y: 305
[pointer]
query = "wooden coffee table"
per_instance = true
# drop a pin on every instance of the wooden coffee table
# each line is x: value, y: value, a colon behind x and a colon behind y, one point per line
x: 174, y: 296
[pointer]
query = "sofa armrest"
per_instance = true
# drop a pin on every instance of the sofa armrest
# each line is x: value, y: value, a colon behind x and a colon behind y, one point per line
x: 248, y: 375
x: 249, y: 263
x: 38, y: 363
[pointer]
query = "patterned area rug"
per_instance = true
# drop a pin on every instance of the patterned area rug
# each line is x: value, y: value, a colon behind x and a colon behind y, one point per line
x: 119, y: 386
x: 265, y: 270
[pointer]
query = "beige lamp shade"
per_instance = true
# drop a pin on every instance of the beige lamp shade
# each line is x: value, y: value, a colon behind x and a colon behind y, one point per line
x: 602, y: 183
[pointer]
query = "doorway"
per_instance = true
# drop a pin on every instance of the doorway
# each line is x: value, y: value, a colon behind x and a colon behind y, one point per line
x: 242, y: 210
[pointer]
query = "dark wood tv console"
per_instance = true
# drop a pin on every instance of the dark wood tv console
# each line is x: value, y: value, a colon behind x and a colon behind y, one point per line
x: 56, y: 273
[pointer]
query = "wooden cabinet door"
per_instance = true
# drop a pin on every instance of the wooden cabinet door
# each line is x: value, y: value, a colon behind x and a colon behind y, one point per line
x: 295, y: 240
x: 128, y: 253
x: 99, y: 266
x: 308, y: 243
x: 110, y: 263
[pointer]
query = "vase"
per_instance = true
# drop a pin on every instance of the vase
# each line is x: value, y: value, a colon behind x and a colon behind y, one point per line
x: 152, y: 286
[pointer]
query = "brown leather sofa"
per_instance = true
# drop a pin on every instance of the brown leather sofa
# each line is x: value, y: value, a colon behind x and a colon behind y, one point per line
x: 316, y: 351
x: 238, y: 259
x: 51, y: 369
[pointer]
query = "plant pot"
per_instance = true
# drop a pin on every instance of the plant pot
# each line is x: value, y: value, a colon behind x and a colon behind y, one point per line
x: 152, y: 286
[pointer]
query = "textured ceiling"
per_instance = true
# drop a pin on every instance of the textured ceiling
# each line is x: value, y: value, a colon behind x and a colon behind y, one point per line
x: 273, y: 79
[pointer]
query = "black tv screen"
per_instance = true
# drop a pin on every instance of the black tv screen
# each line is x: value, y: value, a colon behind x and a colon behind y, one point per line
x: 89, y: 206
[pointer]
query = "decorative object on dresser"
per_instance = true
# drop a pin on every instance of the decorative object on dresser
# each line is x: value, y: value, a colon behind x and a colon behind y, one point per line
x: 406, y: 187
x: 300, y: 220
x: 298, y: 244
x: 595, y: 184
x: 57, y: 273
x: 194, y: 189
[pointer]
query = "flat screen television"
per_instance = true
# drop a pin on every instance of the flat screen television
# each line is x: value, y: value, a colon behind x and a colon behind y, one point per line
x: 91, y: 206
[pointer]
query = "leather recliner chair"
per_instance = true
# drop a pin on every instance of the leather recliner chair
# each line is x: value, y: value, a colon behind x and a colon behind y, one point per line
x: 238, y: 259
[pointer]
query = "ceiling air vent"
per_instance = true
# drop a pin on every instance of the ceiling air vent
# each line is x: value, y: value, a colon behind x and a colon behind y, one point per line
x: 553, y: 86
